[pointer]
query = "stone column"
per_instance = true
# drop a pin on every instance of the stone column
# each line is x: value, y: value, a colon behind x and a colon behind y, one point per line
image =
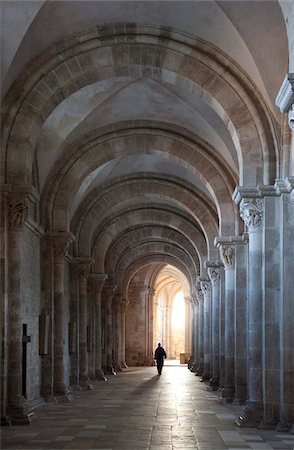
x: 84, y: 268
x: 110, y: 291
x: 123, y: 306
x: 200, y: 298
x: 117, y: 331
x: 151, y: 295
x: 195, y: 333
x: 98, y: 280
x: 228, y: 258
x: 60, y: 244
x: 17, y: 210
x: 214, y: 270
x: 251, y: 211
x: 206, y: 289
x: 241, y: 320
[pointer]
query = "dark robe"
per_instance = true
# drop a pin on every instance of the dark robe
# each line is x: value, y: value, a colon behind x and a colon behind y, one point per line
x: 159, y: 355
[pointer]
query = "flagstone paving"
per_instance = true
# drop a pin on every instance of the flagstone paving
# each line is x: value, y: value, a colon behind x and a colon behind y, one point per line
x: 138, y: 409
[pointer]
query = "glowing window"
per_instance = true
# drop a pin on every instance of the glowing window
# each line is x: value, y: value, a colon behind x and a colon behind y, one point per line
x: 178, y: 311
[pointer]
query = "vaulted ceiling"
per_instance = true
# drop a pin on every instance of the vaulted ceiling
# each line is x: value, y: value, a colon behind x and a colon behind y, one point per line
x: 135, y: 121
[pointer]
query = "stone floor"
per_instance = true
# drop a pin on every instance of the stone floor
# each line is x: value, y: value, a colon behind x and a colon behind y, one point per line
x: 140, y: 410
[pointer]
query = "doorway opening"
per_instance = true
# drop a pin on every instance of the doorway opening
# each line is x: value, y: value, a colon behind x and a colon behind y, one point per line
x: 172, y: 314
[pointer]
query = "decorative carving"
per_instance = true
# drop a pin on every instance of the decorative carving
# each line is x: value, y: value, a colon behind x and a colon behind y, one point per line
x: 251, y: 211
x: 98, y: 279
x: 17, y: 208
x: 200, y: 294
x: 60, y: 248
x: 228, y: 256
x: 291, y: 118
x: 214, y: 274
x: 151, y: 292
x: 84, y: 270
x: 205, y: 286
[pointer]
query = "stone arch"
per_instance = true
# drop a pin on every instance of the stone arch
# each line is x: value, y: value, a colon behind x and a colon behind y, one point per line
x: 145, y: 234
x: 136, y: 188
x: 134, y: 50
x: 201, y: 160
x: 150, y: 215
x: 152, y: 260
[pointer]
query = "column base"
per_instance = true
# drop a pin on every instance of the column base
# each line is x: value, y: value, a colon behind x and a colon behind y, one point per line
x: 283, y: 427
x: 19, y: 414
x: 62, y: 394
x: 199, y: 371
x: 111, y: 370
x: 125, y: 366
x: 252, y: 415
x: 227, y: 394
x: 205, y: 377
x: 5, y: 421
x: 269, y: 425
x: 100, y: 375
x: 214, y: 384
x: 193, y: 368
x: 86, y: 386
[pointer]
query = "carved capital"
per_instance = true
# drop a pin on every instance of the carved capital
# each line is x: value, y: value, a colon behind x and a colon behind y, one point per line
x: 205, y: 286
x: 84, y: 270
x: 200, y: 295
x: 60, y: 242
x: 227, y: 253
x: 98, y: 280
x: 251, y: 211
x: 214, y: 275
x: 291, y: 118
x: 17, y: 209
x: 151, y: 292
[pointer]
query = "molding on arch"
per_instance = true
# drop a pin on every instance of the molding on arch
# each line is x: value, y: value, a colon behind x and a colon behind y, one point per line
x: 83, y: 58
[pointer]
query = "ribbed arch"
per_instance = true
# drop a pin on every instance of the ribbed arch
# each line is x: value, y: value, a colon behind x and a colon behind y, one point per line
x: 125, y: 243
x: 79, y: 164
x: 153, y: 261
x: 150, y: 216
x: 135, y: 189
x: 133, y: 50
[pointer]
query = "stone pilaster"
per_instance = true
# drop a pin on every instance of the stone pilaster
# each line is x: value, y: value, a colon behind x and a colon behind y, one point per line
x: 241, y: 320
x: 206, y: 289
x: 98, y: 280
x: 200, y: 298
x: 193, y: 363
x: 251, y: 211
x: 17, y: 211
x: 60, y: 242
x: 83, y: 271
x: 123, y: 306
x: 214, y: 271
x: 117, y: 330
x: 227, y: 253
x: 109, y: 294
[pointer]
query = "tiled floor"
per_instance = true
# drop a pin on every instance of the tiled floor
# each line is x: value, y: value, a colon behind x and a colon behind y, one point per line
x: 140, y: 410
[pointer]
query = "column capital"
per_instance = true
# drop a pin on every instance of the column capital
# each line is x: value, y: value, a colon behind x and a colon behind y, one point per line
x: 17, y: 210
x: 84, y: 266
x: 60, y: 241
x: 98, y: 280
x: 285, y: 98
x: 214, y: 271
x: 199, y: 294
x: 151, y: 291
x: 204, y: 284
x: 251, y: 211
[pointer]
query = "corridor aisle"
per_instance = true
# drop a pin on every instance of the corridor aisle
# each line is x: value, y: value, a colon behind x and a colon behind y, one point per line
x: 140, y: 410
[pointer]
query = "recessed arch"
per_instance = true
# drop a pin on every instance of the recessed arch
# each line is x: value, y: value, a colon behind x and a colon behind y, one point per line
x: 127, y: 50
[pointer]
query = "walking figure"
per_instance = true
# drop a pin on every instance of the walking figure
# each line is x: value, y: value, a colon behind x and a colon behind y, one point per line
x: 159, y: 355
